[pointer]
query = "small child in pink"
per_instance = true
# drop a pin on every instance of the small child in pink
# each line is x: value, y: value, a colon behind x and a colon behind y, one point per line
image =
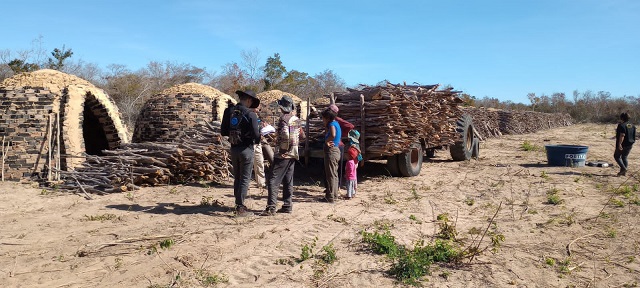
x: 351, y: 165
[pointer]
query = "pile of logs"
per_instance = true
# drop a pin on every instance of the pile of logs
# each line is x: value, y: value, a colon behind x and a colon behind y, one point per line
x: 396, y: 116
x: 494, y: 122
x: 200, y: 156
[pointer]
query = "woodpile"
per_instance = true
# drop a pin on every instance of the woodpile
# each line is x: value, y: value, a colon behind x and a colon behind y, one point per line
x: 396, y: 116
x: 495, y: 122
x: 202, y: 155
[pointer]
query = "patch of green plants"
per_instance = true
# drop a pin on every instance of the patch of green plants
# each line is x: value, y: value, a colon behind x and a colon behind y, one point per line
x: 414, y: 193
x: 129, y: 196
x: 410, y: 265
x: 469, y: 201
x: 544, y: 175
x: 388, y: 198
x: 550, y: 261
x: 329, y: 254
x: 616, y: 202
x: 553, y: 198
x: 102, y: 218
x: 307, y: 250
x: 528, y: 146
x: 624, y: 190
x: 208, y: 279
x: 447, y: 230
x: 209, y: 201
x: 635, y: 201
x: 612, y: 233
x: 563, y: 266
x: 286, y: 261
x: 338, y: 219
x: 166, y: 243
x: 415, y: 219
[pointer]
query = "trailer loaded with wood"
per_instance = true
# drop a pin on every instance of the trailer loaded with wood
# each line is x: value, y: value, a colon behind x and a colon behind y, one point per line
x: 402, y: 124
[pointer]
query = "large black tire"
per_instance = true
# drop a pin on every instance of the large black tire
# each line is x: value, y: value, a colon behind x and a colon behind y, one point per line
x: 392, y: 165
x: 463, y: 148
x: 410, y: 163
x: 475, y: 153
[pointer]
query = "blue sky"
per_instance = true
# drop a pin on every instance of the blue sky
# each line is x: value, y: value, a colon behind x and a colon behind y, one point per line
x: 497, y: 48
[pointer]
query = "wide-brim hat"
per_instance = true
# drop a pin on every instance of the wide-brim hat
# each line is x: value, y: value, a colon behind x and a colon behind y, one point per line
x: 354, y: 136
x: 285, y: 104
x: 248, y: 93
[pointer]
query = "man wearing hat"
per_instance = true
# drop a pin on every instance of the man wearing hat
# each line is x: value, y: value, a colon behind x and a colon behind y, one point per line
x: 289, y: 132
x: 240, y: 123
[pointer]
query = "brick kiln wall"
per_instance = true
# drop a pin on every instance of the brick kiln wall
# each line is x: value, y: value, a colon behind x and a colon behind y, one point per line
x: 164, y: 118
x: 23, y: 123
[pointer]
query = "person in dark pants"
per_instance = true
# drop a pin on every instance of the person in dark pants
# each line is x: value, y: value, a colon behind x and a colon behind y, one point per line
x: 289, y: 131
x: 240, y: 123
x: 625, y: 137
x: 345, y: 127
x: 331, y: 154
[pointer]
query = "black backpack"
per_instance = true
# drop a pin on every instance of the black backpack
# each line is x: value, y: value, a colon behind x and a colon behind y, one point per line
x: 236, y: 135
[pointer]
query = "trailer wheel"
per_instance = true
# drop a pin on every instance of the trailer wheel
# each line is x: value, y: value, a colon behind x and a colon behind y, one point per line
x: 463, y: 149
x: 410, y: 163
x: 476, y: 148
x: 392, y: 165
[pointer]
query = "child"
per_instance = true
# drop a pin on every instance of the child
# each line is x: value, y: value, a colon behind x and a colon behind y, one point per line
x: 353, y: 157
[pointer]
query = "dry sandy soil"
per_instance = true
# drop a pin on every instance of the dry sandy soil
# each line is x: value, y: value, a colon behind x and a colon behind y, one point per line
x: 56, y: 239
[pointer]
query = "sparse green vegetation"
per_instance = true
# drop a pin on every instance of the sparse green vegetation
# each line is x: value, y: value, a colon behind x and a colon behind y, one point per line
x: 102, y: 218
x: 616, y: 202
x: 550, y: 261
x: 469, y: 201
x: 563, y: 266
x: 307, y: 250
x: 553, y: 198
x: 544, y: 175
x: 410, y: 265
x: 211, y: 279
x: 209, y: 201
x: 329, y: 255
x: 388, y: 198
x: 528, y: 146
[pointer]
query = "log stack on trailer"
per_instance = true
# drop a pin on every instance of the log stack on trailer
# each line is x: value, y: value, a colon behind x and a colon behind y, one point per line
x: 398, y: 122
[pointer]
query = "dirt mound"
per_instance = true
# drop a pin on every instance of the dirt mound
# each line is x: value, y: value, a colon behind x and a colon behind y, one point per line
x: 53, y: 80
x: 275, y: 95
x: 195, y: 88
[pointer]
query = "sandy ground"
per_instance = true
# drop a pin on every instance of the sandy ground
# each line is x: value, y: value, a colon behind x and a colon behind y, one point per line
x: 56, y: 239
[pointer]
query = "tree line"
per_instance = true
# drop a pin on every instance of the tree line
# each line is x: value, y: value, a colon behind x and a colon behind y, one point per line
x: 130, y: 89
x: 585, y: 106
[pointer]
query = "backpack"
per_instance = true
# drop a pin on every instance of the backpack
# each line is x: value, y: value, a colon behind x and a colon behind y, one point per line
x: 235, y: 126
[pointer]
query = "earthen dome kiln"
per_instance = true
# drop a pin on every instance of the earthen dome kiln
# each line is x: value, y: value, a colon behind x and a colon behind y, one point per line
x: 50, y: 119
x: 167, y: 115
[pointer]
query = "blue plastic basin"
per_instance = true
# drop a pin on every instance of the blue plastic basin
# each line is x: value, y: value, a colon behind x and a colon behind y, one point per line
x: 567, y: 155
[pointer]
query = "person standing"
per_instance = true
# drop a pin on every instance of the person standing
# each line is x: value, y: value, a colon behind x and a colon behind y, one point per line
x: 353, y: 157
x: 625, y: 137
x: 288, y: 134
x: 258, y: 160
x: 345, y: 127
x: 240, y: 123
x: 331, y: 154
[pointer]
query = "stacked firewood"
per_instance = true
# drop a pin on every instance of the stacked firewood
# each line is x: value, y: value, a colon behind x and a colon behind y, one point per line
x: 200, y: 156
x: 495, y: 122
x: 397, y: 116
